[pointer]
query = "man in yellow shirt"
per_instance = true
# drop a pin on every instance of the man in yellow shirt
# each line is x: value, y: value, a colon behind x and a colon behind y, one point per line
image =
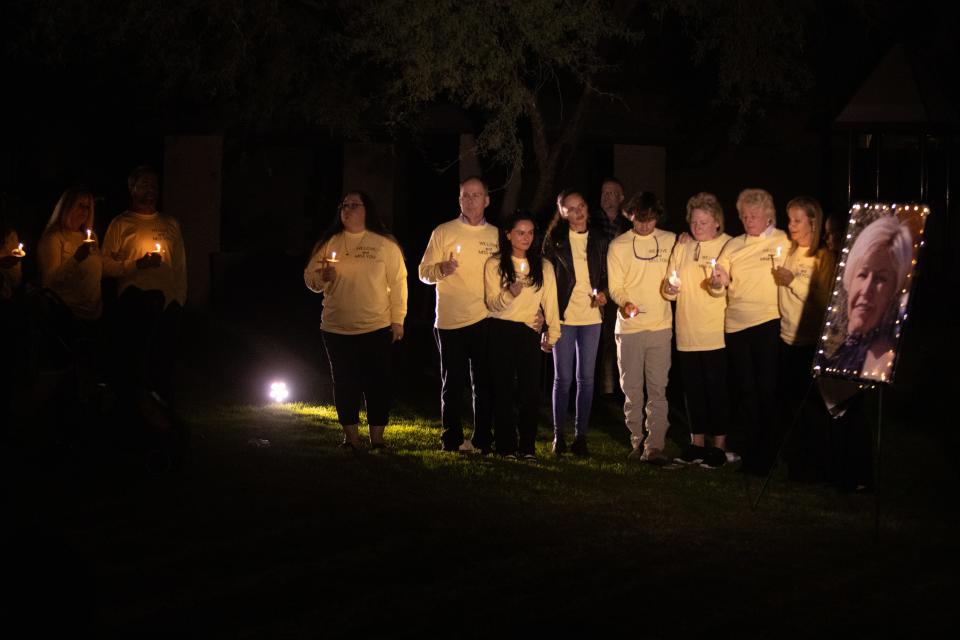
x: 454, y: 262
x: 636, y: 267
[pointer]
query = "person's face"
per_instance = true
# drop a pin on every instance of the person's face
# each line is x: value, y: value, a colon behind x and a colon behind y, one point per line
x: 703, y: 226
x: 755, y: 220
x: 872, y: 290
x: 473, y: 199
x: 145, y: 192
x: 353, y: 214
x: 832, y: 235
x: 521, y: 236
x: 801, y: 231
x: 574, y: 210
x: 78, y: 213
x: 644, y: 227
x: 611, y: 197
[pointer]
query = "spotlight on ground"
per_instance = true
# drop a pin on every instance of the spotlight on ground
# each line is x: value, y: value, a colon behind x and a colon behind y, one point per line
x: 279, y: 391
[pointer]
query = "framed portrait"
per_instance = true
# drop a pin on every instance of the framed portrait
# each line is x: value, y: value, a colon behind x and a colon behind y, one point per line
x: 870, y: 302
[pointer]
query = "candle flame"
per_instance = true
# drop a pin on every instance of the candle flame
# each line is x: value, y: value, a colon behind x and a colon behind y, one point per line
x: 89, y: 231
x: 158, y: 247
x: 458, y: 249
x: 333, y: 255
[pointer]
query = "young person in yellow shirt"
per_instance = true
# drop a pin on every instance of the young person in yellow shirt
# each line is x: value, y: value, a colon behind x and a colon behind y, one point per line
x: 701, y: 351
x: 577, y: 251
x: 744, y: 274
x: 636, y: 267
x: 518, y: 282
x: 358, y: 267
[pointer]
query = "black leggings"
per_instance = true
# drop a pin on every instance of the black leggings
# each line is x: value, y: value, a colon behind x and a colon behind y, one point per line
x: 360, y: 368
x: 705, y: 390
x: 515, y: 354
x: 754, y: 361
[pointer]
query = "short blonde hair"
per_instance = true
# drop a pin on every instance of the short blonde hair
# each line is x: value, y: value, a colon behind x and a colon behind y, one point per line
x: 756, y: 197
x: 707, y: 202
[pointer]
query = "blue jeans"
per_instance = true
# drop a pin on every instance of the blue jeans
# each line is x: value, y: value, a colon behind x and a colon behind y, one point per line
x: 576, y: 351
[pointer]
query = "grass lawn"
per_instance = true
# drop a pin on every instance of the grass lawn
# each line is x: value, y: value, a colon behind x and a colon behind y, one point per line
x: 301, y: 539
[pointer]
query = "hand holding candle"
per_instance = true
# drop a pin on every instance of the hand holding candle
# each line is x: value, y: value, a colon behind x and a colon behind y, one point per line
x: 629, y: 310
x: 18, y: 252
x: 89, y: 237
x: 674, y: 280
x: 450, y: 265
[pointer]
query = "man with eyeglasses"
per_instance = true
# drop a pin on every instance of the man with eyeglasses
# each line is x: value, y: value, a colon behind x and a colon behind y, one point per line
x: 636, y: 268
x: 454, y: 262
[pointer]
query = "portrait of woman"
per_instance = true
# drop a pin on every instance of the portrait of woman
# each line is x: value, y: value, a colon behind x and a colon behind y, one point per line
x: 872, y: 300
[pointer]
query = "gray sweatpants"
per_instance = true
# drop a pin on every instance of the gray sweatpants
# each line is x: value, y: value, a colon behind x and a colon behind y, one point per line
x: 644, y: 360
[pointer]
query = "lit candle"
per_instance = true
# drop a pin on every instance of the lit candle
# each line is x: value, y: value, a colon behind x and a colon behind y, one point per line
x: 19, y: 252
x: 523, y: 266
x: 674, y: 280
x: 593, y: 294
x: 458, y: 249
x: 333, y: 257
x: 89, y: 234
x: 157, y: 245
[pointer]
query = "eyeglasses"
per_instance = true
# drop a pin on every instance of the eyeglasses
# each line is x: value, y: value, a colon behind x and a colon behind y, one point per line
x: 350, y: 206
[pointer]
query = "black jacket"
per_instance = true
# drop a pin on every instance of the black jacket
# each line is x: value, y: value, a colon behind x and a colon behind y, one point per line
x: 557, y: 250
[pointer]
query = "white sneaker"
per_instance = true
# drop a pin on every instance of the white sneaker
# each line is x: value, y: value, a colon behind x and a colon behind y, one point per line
x: 732, y: 457
x: 466, y: 447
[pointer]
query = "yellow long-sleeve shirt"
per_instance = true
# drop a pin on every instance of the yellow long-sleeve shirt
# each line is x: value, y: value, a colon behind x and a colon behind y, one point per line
x: 523, y: 307
x: 752, y: 292
x: 804, y: 300
x: 131, y: 235
x: 579, y: 311
x: 369, y: 291
x: 76, y: 283
x: 460, y: 296
x: 636, y: 266
x: 699, y: 315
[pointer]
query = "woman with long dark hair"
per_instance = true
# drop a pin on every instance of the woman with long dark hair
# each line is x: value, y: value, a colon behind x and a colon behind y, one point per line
x: 358, y: 267
x: 579, y: 259
x: 517, y: 283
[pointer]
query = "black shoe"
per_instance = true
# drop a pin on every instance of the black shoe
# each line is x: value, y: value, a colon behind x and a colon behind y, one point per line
x: 559, y: 446
x: 713, y: 458
x: 691, y: 454
x: 579, y: 447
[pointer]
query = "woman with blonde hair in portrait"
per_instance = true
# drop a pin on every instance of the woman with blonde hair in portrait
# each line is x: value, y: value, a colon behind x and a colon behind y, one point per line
x: 358, y: 267
x: 517, y: 283
x: 744, y: 274
x: 803, y: 286
x: 701, y: 351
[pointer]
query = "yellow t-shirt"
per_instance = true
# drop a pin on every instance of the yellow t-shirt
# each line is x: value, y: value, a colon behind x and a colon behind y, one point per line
x: 460, y: 301
x: 579, y: 311
x: 523, y: 308
x: 804, y: 300
x: 636, y: 266
x: 752, y: 293
x: 699, y: 315
x: 131, y: 235
x: 369, y: 291
x: 76, y: 283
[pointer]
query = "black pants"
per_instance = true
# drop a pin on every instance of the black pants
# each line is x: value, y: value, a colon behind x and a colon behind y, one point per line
x: 754, y: 360
x: 360, y: 368
x: 704, y: 375
x: 515, y: 355
x: 144, y: 353
x: 803, y: 414
x: 463, y: 352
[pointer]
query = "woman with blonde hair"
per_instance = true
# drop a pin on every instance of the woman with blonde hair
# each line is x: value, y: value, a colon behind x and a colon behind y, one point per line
x: 744, y: 273
x: 701, y: 351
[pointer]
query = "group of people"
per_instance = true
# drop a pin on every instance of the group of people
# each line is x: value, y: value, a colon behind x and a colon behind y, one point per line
x: 142, y: 250
x: 751, y: 305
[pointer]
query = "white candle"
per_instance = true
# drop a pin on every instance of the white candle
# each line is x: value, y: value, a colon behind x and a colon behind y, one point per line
x: 333, y: 257
x: 674, y: 280
x: 89, y: 233
x: 19, y: 252
x: 523, y: 266
x: 458, y: 249
x: 158, y: 247
x: 594, y: 293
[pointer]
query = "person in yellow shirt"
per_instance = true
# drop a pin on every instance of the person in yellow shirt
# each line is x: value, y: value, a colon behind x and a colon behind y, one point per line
x: 804, y: 286
x: 701, y: 351
x: 744, y: 274
x: 577, y: 251
x: 358, y: 267
x: 454, y: 262
x: 517, y: 283
x: 151, y: 283
x: 636, y: 266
